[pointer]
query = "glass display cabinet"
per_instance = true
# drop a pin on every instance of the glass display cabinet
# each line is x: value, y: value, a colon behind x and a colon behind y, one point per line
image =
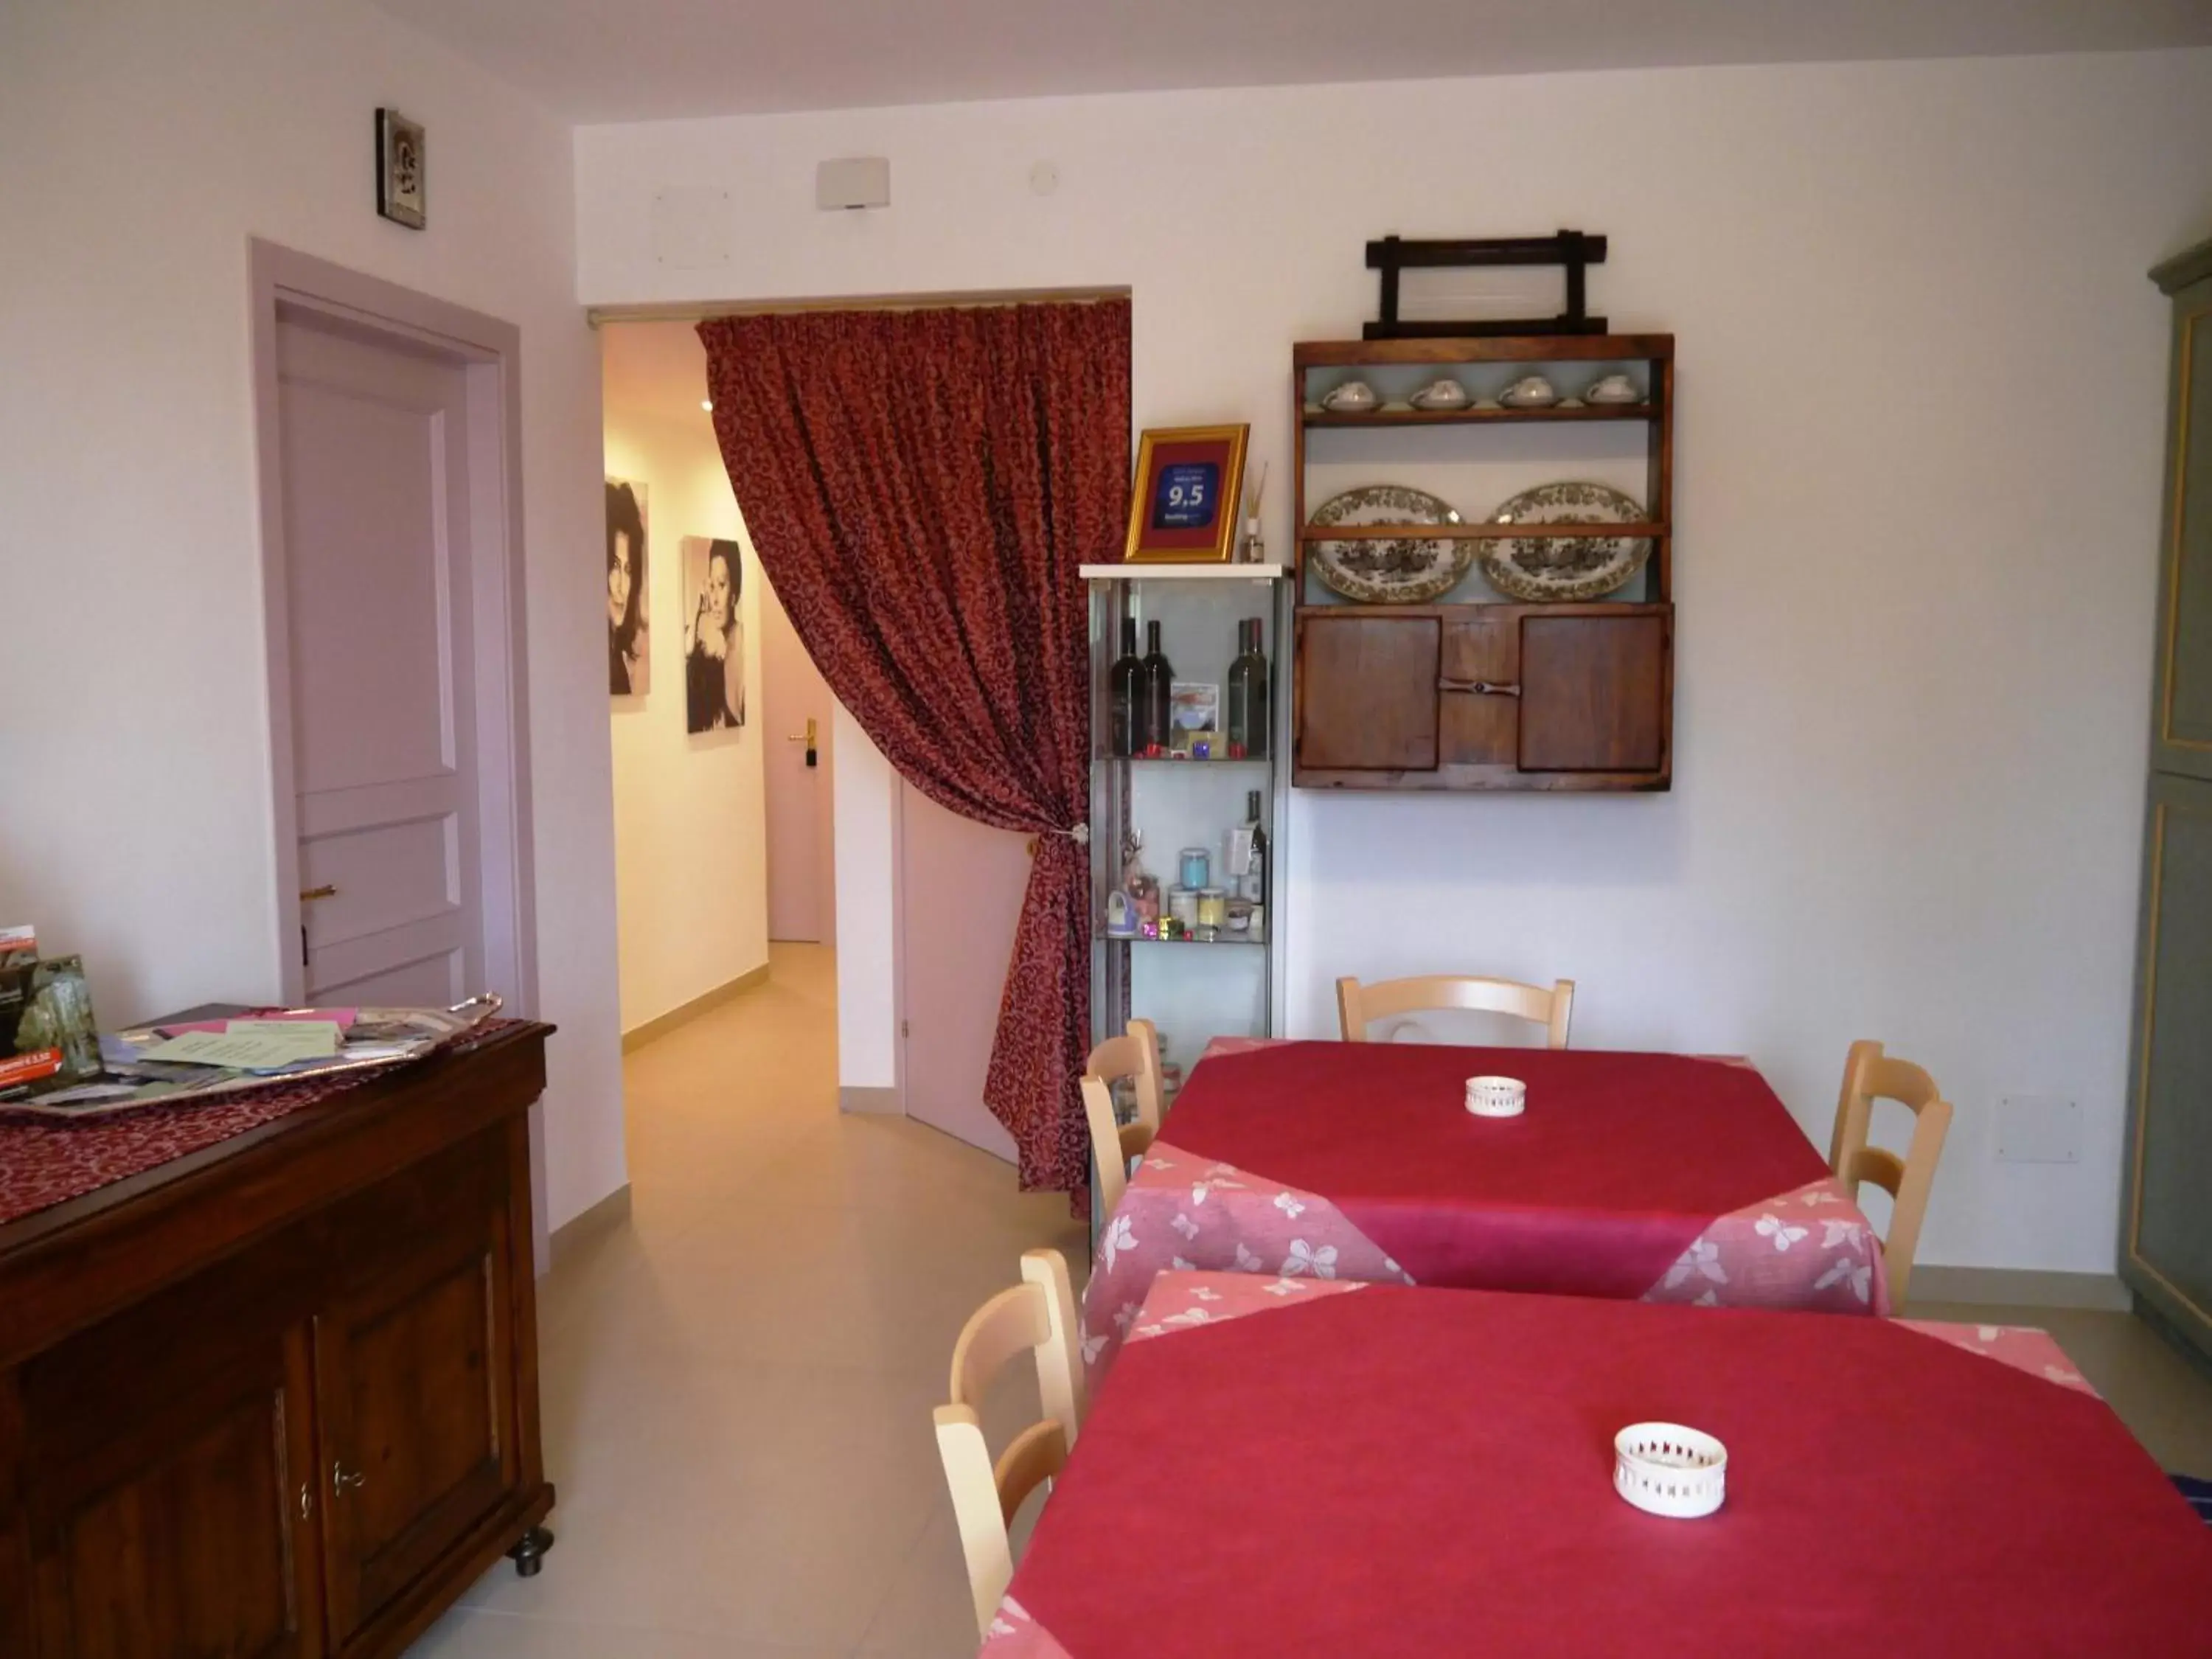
x: 1188, y: 727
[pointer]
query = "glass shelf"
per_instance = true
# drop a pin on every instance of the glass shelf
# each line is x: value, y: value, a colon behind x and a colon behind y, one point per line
x: 1182, y: 760
x: 1176, y: 806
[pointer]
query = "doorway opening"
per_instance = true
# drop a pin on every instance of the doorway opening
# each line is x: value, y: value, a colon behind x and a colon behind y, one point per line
x: 692, y: 630
x: 826, y: 847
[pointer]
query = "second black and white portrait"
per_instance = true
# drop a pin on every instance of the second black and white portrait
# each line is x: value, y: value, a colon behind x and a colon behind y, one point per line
x: 714, y: 635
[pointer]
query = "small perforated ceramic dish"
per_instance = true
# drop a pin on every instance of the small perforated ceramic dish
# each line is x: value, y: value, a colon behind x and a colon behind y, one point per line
x: 1663, y: 1468
x: 1496, y: 1096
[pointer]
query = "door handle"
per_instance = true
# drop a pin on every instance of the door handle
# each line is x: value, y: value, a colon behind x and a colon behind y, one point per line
x: 309, y: 895
x: 341, y: 1483
x: 807, y: 738
x: 1481, y: 688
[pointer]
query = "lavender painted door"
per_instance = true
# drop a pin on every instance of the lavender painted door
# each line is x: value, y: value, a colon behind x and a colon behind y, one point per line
x: 801, y: 883
x: 376, y: 458
x: 960, y: 893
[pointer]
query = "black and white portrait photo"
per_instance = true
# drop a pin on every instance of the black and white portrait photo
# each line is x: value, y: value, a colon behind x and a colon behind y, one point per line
x: 714, y: 635
x: 627, y: 662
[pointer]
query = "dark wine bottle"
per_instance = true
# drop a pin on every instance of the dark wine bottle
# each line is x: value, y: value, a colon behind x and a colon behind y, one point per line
x: 1125, y: 691
x: 1159, y: 689
x: 1255, y: 883
x: 1240, y: 695
x: 1259, y: 711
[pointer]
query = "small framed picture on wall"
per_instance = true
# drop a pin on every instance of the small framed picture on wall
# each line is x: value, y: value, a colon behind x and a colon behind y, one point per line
x: 1184, y: 510
x: 399, y: 193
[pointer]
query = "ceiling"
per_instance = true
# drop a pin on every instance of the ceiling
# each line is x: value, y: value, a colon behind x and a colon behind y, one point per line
x: 629, y: 60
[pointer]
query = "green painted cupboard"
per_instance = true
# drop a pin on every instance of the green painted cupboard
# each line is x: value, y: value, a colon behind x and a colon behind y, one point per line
x: 2166, y: 1210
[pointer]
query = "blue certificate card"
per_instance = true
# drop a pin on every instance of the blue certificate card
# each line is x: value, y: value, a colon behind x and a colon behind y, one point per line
x: 1186, y: 495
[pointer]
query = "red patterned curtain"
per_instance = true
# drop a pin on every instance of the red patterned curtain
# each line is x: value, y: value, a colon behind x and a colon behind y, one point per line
x: 921, y: 487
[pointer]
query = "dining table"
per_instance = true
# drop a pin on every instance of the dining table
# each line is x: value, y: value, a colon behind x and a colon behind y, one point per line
x: 1286, y: 1466
x: 1653, y: 1177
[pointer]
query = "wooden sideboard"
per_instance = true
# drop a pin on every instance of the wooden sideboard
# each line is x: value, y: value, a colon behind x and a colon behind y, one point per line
x: 279, y: 1397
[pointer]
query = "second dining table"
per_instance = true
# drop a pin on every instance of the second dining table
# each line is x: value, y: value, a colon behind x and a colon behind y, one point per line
x: 1291, y: 1466
x: 1650, y: 1177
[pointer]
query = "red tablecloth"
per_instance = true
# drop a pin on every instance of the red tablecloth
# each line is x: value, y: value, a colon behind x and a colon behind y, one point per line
x: 1659, y: 1176
x: 1374, y: 1471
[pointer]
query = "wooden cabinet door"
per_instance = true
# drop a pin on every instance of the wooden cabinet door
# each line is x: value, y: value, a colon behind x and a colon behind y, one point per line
x: 2168, y: 1226
x: 173, y: 1509
x: 2182, y: 694
x: 1593, y: 692
x: 416, y: 1401
x: 1367, y: 692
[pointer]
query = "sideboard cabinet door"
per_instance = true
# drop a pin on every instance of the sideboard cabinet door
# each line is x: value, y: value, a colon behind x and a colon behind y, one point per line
x: 172, y: 1508
x: 414, y: 1374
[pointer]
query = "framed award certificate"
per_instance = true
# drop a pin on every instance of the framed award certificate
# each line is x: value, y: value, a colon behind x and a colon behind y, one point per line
x: 1185, y: 509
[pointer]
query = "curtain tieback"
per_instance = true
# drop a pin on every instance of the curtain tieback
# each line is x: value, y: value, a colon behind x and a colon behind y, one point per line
x: 1080, y: 835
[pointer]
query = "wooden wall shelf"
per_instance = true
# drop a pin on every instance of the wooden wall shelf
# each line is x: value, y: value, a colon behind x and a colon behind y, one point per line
x: 1478, y: 532
x: 1328, y: 417
x: 1489, y: 695
x: 1501, y: 349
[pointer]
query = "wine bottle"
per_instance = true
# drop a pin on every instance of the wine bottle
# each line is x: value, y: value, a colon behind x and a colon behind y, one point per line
x: 1240, y: 695
x: 1259, y: 711
x: 1125, y: 696
x: 1159, y: 690
x: 1255, y: 880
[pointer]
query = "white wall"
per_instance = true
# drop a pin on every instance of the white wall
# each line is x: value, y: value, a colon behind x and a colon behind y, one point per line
x: 864, y: 819
x: 1919, y: 450
x: 690, y: 838
x: 145, y: 143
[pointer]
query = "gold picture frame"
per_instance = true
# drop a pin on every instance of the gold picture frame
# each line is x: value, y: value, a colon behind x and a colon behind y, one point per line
x: 1188, y: 499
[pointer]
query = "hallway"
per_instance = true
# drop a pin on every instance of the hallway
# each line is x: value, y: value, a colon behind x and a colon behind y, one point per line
x: 737, y: 1382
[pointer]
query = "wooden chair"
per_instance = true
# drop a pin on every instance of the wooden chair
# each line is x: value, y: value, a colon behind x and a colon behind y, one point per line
x: 1870, y: 1076
x: 1135, y: 1053
x: 1356, y: 1005
x: 1039, y: 1314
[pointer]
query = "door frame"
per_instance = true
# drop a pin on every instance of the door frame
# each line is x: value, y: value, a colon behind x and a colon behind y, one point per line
x: 489, y: 353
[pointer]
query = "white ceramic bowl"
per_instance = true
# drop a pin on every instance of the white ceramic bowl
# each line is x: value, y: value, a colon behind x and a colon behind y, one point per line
x: 1496, y: 1096
x: 1664, y: 1469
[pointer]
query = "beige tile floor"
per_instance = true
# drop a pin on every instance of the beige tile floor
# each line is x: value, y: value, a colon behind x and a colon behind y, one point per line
x: 737, y: 1382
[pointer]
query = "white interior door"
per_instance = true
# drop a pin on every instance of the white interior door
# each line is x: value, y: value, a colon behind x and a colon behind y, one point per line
x: 960, y: 894
x: 375, y: 490
x: 796, y: 703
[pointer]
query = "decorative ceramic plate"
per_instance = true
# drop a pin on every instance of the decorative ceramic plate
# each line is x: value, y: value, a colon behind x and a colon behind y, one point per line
x: 1542, y: 570
x: 1398, y: 570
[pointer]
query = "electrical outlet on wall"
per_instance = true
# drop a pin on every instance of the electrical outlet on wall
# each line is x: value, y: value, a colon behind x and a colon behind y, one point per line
x: 2039, y: 1129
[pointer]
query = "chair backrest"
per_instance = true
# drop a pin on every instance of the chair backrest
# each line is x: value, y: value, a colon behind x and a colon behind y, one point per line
x: 1868, y: 1076
x: 1037, y: 1315
x: 1134, y: 1054
x: 1358, y: 1004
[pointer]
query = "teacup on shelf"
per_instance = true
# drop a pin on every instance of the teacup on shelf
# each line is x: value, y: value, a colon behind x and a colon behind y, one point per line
x: 1352, y: 397
x: 1529, y: 391
x: 1443, y: 392
x: 1613, y: 389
